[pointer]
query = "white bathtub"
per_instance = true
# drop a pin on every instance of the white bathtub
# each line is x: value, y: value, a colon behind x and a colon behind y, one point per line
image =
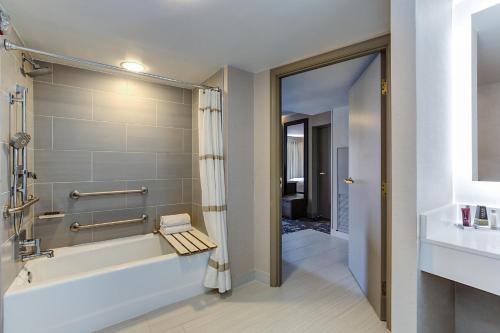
x: 88, y: 287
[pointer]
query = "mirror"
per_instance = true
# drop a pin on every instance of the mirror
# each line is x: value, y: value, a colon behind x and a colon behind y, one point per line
x: 485, y: 42
x: 295, y: 157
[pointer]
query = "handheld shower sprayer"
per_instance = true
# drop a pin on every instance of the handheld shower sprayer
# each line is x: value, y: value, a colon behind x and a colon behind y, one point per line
x: 20, y: 140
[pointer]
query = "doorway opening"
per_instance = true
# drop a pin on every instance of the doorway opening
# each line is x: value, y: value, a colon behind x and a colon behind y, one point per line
x: 332, y: 205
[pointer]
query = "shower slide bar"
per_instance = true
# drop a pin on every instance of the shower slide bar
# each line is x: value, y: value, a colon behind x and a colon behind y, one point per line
x: 8, y: 45
x: 76, y: 195
x: 75, y: 227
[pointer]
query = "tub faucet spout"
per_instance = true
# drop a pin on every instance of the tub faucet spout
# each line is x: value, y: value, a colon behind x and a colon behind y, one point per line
x: 25, y: 256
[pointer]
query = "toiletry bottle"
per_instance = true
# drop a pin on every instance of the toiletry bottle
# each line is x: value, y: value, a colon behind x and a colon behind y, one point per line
x: 493, y: 219
x: 466, y: 216
x: 481, y: 219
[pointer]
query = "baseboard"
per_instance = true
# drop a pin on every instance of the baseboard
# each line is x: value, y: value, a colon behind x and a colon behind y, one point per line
x: 263, y: 277
x: 243, y: 279
x: 340, y: 234
x: 255, y: 275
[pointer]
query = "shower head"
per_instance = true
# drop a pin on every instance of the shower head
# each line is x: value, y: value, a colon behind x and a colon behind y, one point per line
x: 38, y: 72
x: 37, y: 69
x: 20, y: 140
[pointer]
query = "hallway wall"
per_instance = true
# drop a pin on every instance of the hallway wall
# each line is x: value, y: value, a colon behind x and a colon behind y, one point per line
x: 340, y: 138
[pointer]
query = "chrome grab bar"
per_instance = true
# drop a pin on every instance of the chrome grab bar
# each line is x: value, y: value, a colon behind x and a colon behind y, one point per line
x: 7, y: 211
x: 75, y: 194
x: 77, y: 226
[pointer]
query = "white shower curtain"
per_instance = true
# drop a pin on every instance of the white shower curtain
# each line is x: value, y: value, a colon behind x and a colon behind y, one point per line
x: 295, y: 156
x: 213, y: 187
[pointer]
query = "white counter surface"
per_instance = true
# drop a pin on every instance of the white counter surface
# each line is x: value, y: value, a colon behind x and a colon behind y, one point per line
x: 469, y: 256
x: 478, y: 241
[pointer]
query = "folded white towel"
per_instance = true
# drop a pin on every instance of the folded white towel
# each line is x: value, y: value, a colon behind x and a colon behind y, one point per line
x: 176, y: 229
x: 175, y: 220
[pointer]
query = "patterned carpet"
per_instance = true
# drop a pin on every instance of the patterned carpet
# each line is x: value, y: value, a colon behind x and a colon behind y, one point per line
x: 288, y: 226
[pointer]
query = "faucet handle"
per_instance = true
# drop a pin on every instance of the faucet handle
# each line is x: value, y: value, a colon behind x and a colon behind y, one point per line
x: 30, y: 242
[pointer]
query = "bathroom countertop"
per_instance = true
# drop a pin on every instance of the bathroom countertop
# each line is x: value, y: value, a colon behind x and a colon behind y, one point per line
x: 469, y: 256
x: 484, y: 242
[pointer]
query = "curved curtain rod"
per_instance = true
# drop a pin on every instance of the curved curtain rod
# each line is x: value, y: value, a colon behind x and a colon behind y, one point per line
x: 8, y: 45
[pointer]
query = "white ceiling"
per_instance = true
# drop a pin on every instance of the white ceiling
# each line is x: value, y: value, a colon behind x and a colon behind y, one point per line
x: 191, y: 39
x: 487, y: 25
x: 322, y: 89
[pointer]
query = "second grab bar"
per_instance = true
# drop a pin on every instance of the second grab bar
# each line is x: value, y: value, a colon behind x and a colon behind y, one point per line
x: 77, y: 226
x: 76, y: 195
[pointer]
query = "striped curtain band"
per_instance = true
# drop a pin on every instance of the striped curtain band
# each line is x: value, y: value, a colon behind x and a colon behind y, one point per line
x: 221, y: 208
x: 211, y: 157
x: 208, y: 108
x: 219, y: 267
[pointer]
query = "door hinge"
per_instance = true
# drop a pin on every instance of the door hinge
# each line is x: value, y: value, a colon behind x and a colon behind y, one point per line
x: 384, y: 288
x: 385, y: 188
x: 384, y: 87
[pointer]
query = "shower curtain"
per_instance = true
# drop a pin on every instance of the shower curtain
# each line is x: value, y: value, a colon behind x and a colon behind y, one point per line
x: 213, y: 186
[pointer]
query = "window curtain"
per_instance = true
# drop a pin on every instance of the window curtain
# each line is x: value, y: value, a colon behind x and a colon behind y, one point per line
x: 213, y: 187
x: 295, y: 157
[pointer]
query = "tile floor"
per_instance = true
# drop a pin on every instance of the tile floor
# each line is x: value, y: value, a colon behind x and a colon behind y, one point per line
x: 319, y: 294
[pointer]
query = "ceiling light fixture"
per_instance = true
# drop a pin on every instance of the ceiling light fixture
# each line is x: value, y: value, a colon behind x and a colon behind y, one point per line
x: 132, y: 66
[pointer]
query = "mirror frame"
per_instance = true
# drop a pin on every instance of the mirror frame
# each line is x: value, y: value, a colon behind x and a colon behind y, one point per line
x: 304, y: 121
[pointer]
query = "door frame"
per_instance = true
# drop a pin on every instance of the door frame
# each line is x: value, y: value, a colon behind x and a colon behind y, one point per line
x: 378, y: 44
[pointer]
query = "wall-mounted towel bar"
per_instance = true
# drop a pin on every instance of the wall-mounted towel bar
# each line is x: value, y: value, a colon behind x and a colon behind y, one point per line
x: 77, y: 226
x: 7, y: 211
x: 75, y: 194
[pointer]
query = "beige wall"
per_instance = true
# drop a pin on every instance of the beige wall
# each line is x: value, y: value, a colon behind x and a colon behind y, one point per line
x: 261, y: 172
x: 10, y: 75
x: 102, y: 132
x: 238, y: 89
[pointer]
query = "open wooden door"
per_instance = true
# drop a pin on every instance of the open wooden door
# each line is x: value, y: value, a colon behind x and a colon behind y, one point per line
x: 366, y: 254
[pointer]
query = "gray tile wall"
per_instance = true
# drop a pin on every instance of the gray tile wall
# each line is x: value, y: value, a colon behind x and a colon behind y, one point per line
x: 99, y: 132
x: 10, y: 75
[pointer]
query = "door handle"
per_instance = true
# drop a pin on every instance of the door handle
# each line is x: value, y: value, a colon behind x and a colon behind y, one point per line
x: 322, y: 173
x: 349, y: 181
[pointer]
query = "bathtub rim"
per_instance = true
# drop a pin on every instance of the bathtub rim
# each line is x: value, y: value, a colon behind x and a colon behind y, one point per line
x: 19, y: 285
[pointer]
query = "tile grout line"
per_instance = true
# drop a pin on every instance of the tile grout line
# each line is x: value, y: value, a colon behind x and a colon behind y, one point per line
x: 64, y: 85
x: 117, y: 123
